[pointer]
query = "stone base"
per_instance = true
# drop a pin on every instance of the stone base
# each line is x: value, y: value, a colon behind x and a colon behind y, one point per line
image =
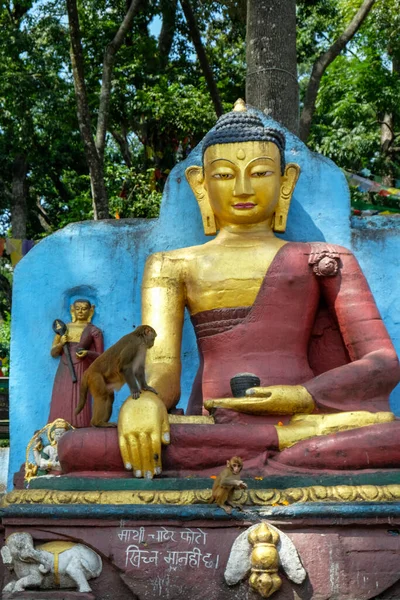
x: 350, y: 551
x: 48, y: 595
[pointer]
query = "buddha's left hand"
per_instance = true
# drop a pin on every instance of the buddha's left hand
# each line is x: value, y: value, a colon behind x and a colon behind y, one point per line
x: 274, y: 399
x: 142, y: 428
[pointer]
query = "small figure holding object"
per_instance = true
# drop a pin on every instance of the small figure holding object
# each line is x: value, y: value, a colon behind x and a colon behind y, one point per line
x: 84, y: 342
x: 226, y: 483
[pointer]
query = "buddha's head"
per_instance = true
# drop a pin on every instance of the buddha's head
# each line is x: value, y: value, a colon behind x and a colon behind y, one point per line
x: 244, y: 179
x: 82, y: 311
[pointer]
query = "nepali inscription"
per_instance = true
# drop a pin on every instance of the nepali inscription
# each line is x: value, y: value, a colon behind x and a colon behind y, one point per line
x: 171, y: 548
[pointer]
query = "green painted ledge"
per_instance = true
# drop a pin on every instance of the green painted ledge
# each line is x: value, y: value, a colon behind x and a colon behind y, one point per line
x: 279, y: 482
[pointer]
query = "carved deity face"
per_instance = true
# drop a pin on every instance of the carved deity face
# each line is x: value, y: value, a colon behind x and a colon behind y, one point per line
x: 57, y: 435
x: 82, y: 311
x: 243, y: 181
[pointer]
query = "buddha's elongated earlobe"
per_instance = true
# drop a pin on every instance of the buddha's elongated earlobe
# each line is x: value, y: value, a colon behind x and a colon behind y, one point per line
x: 194, y: 175
x: 91, y: 313
x: 73, y: 314
x: 289, y: 179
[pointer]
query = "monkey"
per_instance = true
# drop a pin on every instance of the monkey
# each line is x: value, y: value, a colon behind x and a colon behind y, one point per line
x: 226, y: 483
x: 121, y: 363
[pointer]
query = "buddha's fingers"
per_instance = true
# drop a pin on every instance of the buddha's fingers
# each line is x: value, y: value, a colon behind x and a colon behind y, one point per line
x: 165, y: 429
x: 259, y: 392
x: 146, y: 454
x: 245, y: 404
x: 134, y: 454
x: 275, y: 399
x: 156, y: 449
x: 125, y: 454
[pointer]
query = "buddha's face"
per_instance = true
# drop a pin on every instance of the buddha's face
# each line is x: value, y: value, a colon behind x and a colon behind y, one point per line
x: 82, y: 311
x: 243, y: 181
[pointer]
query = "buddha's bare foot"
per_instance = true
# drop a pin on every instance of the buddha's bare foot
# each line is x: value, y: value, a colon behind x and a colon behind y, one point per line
x: 275, y: 399
x: 142, y: 427
x: 302, y: 427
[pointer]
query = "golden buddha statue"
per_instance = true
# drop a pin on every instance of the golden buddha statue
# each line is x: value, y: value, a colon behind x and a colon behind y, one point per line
x: 254, y: 300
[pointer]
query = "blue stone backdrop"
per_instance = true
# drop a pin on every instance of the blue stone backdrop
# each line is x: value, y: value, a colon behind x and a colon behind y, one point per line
x: 104, y: 261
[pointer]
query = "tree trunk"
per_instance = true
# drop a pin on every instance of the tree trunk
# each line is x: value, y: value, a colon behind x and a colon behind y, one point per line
x: 271, y: 79
x: 121, y: 139
x: 167, y: 32
x: 201, y: 55
x: 96, y: 168
x: 18, y: 201
x: 108, y: 66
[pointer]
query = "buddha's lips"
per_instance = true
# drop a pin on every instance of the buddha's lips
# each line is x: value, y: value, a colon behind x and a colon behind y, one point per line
x: 243, y: 205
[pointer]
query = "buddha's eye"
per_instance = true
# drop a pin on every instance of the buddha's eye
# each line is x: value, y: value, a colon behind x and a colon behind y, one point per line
x: 262, y: 173
x: 223, y: 176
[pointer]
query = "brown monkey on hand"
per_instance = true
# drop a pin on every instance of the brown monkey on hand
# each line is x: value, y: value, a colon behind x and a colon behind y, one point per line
x: 226, y: 483
x: 122, y: 363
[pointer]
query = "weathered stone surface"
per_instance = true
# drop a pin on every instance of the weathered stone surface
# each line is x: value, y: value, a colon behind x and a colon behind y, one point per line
x: 176, y: 558
x: 49, y: 595
x: 58, y: 564
x: 238, y: 565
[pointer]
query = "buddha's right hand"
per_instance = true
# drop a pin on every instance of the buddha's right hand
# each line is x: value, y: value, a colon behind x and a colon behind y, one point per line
x: 142, y: 427
x: 274, y: 399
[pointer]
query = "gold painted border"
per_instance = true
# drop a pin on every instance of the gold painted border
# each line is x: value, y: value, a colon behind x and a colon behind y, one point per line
x: 257, y: 497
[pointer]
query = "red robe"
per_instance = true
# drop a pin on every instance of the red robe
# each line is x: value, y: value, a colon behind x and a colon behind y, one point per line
x: 323, y: 332
x: 65, y: 396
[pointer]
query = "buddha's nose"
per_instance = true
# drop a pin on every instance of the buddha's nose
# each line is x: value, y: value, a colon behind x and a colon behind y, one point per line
x: 243, y: 186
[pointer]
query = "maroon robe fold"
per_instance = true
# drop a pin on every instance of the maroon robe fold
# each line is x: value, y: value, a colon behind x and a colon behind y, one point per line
x: 321, y: 332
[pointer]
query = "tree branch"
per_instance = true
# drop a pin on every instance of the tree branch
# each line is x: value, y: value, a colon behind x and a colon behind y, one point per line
x: 95, y: 163
x: 43, y: 217
x: 166, y: 36
x: 201, y: 55
x: 122, y: 142
x: 78, y: 71
x: 324, y: 61
x: 108, y: 63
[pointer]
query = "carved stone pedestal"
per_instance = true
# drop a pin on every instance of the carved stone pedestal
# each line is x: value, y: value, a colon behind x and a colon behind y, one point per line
x: 46, y: 595
x: 180, y: 551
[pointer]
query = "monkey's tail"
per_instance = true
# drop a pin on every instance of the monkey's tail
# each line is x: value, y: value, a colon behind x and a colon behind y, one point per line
x: 83, y: 395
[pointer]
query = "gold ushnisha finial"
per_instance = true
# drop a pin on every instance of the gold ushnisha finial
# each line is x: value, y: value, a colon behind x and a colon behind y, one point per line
x: 239, y: 106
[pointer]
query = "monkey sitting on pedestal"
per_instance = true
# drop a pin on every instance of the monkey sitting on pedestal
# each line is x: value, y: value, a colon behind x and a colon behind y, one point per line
x: 226, y: 483
x: 122, y: 363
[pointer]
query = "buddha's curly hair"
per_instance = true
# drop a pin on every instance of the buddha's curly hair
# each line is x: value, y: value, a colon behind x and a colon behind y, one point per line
x: 244, y: 126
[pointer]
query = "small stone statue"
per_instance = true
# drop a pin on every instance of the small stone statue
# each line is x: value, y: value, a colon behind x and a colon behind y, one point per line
x: 45, y: 455
x: 76, y: 349
x: 52, y: 565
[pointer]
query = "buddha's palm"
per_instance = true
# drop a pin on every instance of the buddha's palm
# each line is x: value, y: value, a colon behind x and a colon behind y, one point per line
x: 142, y: 427
x: 274, y: 399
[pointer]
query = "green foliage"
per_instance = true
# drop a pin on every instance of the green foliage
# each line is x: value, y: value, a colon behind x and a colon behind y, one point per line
x: 138, y: 197
x: 160, y: 106
x: 5, y: 337
x: 358, y: 89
